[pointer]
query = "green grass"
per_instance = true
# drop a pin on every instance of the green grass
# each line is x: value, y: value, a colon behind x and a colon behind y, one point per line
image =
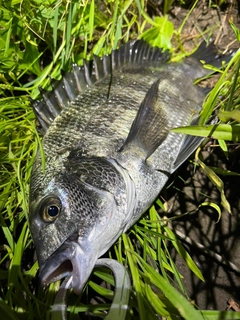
x: 41, y: 38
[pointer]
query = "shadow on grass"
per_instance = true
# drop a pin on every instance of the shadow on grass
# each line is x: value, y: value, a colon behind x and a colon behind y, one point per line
x: 220, y: 241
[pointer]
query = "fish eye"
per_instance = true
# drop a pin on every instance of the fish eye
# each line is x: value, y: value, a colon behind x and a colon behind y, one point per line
x: 51, y: 209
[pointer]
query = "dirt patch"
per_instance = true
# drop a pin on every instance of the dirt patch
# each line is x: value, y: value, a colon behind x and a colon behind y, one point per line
x: 209, y: 22
x: 206, y: 20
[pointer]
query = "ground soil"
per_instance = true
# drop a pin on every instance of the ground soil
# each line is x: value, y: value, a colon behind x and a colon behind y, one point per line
x: 212, y: 244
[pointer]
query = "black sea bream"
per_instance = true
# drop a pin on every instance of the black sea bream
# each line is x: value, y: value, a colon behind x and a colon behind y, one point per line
x: 109, y: 151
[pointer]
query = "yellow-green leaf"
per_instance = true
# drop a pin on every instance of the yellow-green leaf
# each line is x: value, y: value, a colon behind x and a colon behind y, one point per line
x: 215, y: 180
x: 219, y: 131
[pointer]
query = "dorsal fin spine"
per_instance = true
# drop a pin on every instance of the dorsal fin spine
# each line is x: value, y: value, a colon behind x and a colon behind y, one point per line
x: 72, y: 84
x: 80, y: 77
x: 43, y: 119
x: 69, y: 85
x: 76, y: 71
x: 106, y: 64
x: 87, y: 72
x: 59, y: 92
x: 115, y: 59
x: 98, y: 67
x: 50, y: 101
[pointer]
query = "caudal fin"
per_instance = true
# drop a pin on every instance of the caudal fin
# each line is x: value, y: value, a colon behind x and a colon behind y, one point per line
x: 210, y: 55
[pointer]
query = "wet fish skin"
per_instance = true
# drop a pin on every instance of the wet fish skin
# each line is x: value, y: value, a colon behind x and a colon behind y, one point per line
x: 109, y: 152
x: 93, y: 208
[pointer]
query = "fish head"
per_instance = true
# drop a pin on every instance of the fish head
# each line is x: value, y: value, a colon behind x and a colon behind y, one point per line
x: 76, y: 213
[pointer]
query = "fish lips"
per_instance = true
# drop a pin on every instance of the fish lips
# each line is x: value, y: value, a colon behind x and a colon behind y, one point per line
x: 69, y: 258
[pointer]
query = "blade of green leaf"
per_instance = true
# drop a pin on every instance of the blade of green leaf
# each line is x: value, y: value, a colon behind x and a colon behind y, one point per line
x: 184, y: 254
x: 183, y: 306
x: 215, y: 180
x: 220, y: 315
x: 219, y: 131
x: 6, y: 312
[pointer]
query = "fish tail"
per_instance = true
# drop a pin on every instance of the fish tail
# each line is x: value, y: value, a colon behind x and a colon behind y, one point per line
x: 210, y: 55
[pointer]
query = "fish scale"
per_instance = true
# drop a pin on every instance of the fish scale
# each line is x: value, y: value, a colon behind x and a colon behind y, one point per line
x: 72, y: 122
x: 106, y: 128
x: 109, y: 151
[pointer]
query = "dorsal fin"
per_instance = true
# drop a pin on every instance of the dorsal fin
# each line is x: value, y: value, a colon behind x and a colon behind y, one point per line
x: 75, y: 82
x: 150, y: 126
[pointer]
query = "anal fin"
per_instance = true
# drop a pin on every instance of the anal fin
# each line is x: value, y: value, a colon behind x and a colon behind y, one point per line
x: 150, y: 127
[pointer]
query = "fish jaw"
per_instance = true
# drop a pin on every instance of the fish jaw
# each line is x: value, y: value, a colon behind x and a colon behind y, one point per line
x: 78, y: 253
x: 71, y: 257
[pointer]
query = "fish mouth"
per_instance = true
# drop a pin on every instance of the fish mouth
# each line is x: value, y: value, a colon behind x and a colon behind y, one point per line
x: 69, y: 258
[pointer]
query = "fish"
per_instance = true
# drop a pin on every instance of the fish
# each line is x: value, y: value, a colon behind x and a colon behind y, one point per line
x: 109, y: 151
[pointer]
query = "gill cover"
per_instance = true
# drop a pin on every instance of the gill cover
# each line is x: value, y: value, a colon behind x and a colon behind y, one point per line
x: 79, y: 216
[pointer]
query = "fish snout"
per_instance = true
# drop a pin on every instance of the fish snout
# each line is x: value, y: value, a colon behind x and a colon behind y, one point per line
x: 70, y: 258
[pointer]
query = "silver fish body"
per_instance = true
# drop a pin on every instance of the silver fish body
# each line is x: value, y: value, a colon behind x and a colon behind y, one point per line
x: 109, y: 152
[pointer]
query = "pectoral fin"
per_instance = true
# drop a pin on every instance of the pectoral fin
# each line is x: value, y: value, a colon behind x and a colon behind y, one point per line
x: 150, y: 127
x: 189, y: 145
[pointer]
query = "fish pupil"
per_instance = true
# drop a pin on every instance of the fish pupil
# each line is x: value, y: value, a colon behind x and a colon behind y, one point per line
x: 53, y: 211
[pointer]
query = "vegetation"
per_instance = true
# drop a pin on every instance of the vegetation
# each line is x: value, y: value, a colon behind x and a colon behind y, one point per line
x: 39, y: 38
